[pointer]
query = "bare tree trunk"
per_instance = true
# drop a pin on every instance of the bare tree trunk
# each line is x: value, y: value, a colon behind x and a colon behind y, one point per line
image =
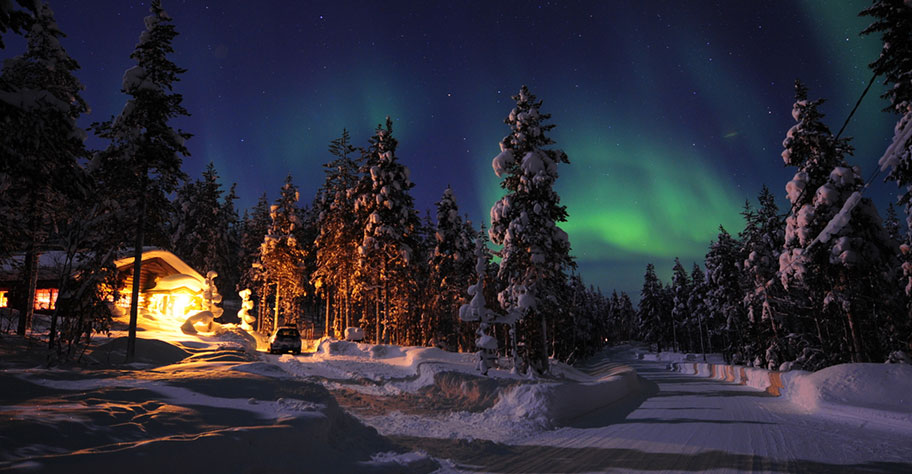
x: 347, y: 310
x: 137, y: 270
x: 326, y: 328
x: 61, y: 289
x: 261, y: 310
x: 377, y: 316
x: 27, y: 308
x: 860, y: 355
x: 275, y: 318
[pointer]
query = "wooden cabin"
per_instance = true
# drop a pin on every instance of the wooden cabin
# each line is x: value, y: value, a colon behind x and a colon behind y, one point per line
x: 167, y: 284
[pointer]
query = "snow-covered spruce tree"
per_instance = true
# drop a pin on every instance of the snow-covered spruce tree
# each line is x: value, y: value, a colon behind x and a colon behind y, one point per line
x: 698, y: 308
x: 17, y: 21
x: 423, y: 331
x: 451, y: 270
x: 761, y: 243
x: 577, y: 331
x: 810, y: 147
x: 618, y: 330
x: 836, y: 250
x: 680, y: 313
x: 627, y: 314
x: 667, y: 307
x: 535, y: 256
x: 253, y: 229
x: 40, y: 142
x: 726, y: 312
x: 230, y: 242
x: 470, y: 234
x: 337, y: 241
x: 892, y: 19
x: 282, y: 257
x: 477, y: 310
x: 305, y: 232
x: 204, y: 227
x: 650, y: 319
x: 602, y: 321
x: 387, y: 215
x: 141, y: 166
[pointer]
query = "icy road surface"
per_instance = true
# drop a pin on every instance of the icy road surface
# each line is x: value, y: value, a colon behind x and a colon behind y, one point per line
x: 687, y: 423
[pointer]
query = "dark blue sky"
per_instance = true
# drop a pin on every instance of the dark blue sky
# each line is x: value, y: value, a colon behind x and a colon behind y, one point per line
x: 672, y: 113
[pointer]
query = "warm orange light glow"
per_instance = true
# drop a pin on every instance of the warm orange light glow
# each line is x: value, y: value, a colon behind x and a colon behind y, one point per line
x: 124, y: 300
x: 179, y: 304
x: 4, y: 302
x: 175, y: 304
x: 45, y: 298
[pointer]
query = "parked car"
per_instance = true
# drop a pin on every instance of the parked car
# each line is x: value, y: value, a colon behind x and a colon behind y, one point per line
x: 285, y: 339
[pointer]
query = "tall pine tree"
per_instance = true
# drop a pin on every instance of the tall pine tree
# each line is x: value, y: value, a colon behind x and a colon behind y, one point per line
x: 337, y: 241
x: 650, y: 316
x: 254, y: 227
x: 836, y: 250
x: 726, y: 312
x: 387, y: 216
x: 535, y: 253
x: 451, y: 268
x: 680, y: 312
x: 142, y: 164
x: 282, y: 256
x: 40, y: 142
x: 205, y: 227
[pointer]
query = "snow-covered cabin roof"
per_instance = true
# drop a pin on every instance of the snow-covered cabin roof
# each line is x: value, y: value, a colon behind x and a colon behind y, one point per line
x: 150, y: 253
x: 157, y: 264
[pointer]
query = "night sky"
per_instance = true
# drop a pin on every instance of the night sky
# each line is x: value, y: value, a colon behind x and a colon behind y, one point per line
x: 672, y: 113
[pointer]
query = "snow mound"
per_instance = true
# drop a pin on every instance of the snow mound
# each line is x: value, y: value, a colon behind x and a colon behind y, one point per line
x: 879, y: 393
x: 232, y: 336
x: 714, y: 358
x: 554, y: 404
x: 148, y: 351
x: 445, y: 395
x: 523, y: 408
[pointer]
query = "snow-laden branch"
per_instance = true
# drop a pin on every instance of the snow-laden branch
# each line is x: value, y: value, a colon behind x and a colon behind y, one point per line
x: 892, y: 155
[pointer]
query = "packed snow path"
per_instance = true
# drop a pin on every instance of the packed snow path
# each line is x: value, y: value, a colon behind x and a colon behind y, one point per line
x: 688, y: 423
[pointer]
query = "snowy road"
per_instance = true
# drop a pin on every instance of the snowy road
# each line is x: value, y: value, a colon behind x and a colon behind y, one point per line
x: 687, y: 423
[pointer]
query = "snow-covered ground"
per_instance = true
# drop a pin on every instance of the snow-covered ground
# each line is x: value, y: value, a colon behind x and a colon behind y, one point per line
x: 200, y: 402
x: 679, y: 423
x: 216, y: 401
x: 876, y: 394
x: 420, y: 391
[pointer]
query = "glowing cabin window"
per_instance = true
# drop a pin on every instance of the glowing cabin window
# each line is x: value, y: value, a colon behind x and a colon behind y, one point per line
x: 45, y: 298
x: 4, y: 301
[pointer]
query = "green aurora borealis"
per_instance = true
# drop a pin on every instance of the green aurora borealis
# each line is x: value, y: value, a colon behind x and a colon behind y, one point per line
x: 671, y: 114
